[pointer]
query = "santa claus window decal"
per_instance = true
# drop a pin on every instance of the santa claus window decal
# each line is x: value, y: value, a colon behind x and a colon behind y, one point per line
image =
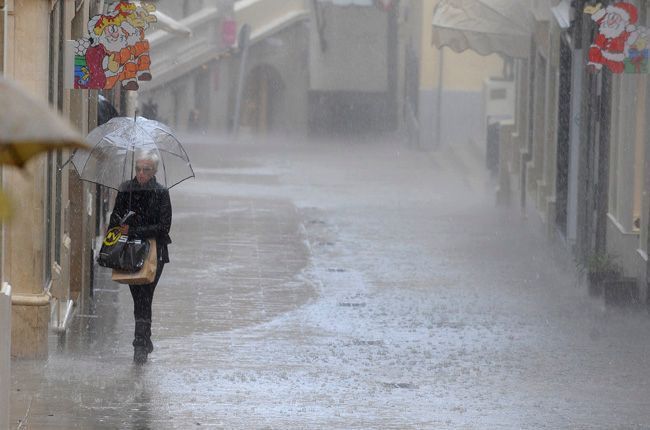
x: 620, y: 44
x: 115, y: 51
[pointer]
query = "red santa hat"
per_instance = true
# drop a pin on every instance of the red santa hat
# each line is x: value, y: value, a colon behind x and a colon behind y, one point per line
x: 627, y: 10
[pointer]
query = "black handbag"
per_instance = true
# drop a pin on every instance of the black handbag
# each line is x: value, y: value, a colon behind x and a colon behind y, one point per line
x: 146, y: 275
x: 121, y: 253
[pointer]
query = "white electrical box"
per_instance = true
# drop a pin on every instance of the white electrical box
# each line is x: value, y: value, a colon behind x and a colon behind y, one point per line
x: 498, y: 100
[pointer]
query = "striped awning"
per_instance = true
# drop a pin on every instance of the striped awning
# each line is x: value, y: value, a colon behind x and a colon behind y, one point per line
x: 484, y: 26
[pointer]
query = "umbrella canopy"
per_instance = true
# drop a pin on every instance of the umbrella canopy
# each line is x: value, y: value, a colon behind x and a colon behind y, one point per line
x: 29, y: 126
x: 115, y: 145
x: 484, y: 26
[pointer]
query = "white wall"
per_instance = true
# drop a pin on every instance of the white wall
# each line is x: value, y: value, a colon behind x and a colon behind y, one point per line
x: 356, y: 55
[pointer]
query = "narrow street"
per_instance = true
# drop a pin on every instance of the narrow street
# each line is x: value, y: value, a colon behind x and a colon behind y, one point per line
x: 347, y: 285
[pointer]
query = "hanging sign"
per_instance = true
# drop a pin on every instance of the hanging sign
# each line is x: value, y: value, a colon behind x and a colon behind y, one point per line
x: 620, y: 45
x: 115, y: 51
x: 229, y: 32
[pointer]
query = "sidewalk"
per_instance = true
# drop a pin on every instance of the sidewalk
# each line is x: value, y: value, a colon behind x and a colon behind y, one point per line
x: 234, y: 264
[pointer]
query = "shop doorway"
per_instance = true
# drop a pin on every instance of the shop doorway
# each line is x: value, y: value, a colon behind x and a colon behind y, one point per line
x: 261, y: 100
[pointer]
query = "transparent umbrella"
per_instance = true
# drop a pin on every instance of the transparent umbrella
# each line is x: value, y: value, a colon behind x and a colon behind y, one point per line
x: 111, y: 161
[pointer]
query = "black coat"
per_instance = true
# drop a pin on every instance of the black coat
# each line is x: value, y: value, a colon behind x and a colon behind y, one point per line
x: 153, y: 213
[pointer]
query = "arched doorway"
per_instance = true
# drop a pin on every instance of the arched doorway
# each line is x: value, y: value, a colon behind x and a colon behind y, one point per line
x: 261, y: 98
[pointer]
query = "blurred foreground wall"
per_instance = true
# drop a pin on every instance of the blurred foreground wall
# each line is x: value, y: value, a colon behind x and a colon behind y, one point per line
x: 46, y: 247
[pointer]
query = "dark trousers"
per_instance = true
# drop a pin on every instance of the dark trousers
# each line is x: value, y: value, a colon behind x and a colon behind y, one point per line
x: 142, y: 299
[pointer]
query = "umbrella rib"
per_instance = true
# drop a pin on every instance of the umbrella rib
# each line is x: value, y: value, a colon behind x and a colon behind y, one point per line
x: 164, y: 168
x: 185, y: 160
x: 188, y: 161
x: 126, y: 157
x: 173, y: 154
x: 168, y: 151
x: 102, y: 184
x: 182, y: 156
x: 89, y: 155
x: 183, y: 149
x: 184, y: 179
x: 100, y: 168
x: 105, y: 168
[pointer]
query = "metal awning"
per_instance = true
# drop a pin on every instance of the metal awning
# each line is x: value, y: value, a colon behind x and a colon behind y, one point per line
x: 484, y: 26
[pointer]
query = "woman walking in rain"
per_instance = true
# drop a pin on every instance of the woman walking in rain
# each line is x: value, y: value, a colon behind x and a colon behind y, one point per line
x: 152, y: 218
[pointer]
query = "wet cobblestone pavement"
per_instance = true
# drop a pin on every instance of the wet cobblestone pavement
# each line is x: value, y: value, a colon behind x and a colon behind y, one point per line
x: 353, y: 285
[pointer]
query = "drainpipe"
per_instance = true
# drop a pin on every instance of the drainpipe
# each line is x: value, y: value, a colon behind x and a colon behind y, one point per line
x: 244, y: 42
x: 8, y: 11
x: 441, y: 70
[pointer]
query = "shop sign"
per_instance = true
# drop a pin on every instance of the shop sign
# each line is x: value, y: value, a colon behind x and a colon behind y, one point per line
x: 228, y: 32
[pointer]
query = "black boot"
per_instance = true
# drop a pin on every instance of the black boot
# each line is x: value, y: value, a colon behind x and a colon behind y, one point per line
x: 140, y: 347
x: 147, y: 337
x: 139, y: 354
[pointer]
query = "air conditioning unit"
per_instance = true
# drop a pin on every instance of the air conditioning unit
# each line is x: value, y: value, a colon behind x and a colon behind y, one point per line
x: 498, y: 106
x: 498, y: 100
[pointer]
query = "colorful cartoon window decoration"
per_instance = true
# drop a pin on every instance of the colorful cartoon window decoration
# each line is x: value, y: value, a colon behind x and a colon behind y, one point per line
x: 116, y: 49
x: 620, y: 45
